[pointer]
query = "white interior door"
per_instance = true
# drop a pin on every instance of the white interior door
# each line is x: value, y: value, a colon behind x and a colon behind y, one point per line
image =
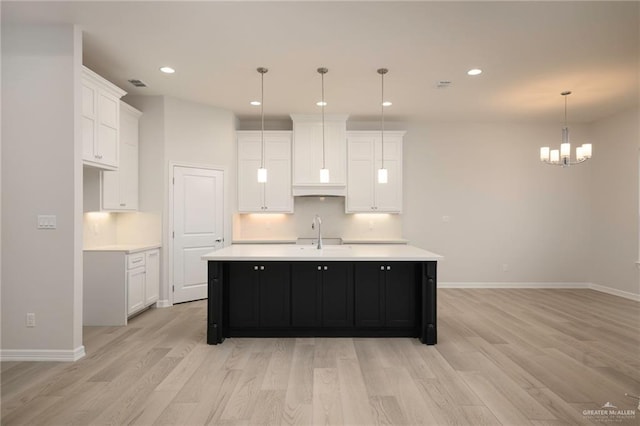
x: 198, y: 206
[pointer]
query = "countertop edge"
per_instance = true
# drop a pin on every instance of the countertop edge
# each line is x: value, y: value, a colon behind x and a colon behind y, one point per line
x: 125, y: 248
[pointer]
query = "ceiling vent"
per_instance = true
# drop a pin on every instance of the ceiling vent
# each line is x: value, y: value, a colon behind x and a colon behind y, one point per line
x: 137, y: 83
x: 443, y: 84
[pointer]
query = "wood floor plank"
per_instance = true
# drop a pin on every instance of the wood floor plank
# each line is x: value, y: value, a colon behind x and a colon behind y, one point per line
x: 356, y: 408
x: 327, y: 405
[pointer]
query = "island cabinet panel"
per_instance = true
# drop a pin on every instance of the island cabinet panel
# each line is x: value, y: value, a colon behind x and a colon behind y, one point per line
x: 274, y: 294
x: 259, y: 296
x: 306, y: 294
x: 322, y: 294
x: 401, y: 283
x: 369, y: 294
x: 243, y: 295
x: 337, y: 294
x: 385, y: 294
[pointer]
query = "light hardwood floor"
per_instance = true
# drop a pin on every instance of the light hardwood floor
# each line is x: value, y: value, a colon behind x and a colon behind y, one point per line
x: 510, y: 357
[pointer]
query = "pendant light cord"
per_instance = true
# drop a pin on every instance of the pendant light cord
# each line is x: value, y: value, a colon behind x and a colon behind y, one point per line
x: 262, y: 71
x: 262, y: 118
x: 323, y: 148
x: 382, y: 115
x: 382, y: 72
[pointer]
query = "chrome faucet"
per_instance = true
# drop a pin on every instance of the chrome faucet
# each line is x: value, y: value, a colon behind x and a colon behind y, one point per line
x: 318, y: 221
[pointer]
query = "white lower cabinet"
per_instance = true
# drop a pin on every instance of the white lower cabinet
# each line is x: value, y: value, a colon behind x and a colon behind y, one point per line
x: 118, y: 284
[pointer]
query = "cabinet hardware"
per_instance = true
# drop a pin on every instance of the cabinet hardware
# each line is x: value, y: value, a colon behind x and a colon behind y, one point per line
x: 137, y: 260
x: 123, y: 204
x: 218, y: 240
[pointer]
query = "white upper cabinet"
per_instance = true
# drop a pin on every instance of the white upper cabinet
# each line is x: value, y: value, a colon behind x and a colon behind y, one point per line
x: 100, y: 121
x: 364, y: 193
x: 274, y: 196
x: 308, y: 154
x: 120, y: 188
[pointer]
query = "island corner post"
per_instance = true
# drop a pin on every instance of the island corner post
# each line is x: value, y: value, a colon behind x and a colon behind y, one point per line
x: 424, y: 325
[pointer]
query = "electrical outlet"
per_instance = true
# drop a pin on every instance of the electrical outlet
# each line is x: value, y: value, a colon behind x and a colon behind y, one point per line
x: 31, y: 319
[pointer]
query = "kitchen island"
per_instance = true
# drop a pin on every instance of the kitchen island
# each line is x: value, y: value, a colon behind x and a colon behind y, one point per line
x: 276, y: 290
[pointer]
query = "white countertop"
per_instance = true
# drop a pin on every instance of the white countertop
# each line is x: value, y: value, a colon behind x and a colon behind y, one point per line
x: 356, y: 252
x: 126, y: 248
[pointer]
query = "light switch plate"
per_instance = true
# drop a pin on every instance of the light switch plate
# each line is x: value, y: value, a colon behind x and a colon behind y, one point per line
x: 46, y: 221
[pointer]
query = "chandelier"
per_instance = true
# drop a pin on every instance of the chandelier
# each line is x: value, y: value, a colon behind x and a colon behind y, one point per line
x: 562, y: 157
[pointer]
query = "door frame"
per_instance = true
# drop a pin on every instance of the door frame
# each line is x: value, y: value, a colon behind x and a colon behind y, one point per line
x: 168, y: 222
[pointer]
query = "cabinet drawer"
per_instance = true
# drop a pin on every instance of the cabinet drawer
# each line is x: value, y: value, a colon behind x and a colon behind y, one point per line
x: 135, y: 260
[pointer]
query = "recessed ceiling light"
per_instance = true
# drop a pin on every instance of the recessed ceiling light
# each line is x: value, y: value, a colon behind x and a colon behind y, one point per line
x: 167, y: 70
x: 474, y: 71
x: 320, y: 103
x: 255, y: 103
x: 386, y: 103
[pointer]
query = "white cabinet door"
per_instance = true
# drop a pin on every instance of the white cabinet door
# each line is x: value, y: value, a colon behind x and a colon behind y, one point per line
x: 152, y: 279
x: 277, y: 189
x: 388, y: 196
x: 308, y: 149
x: 364, y: 193
x: 275, y: 195
x: 360, y: 184
x: 89, y: 121
x: 100, y: 121
x: 120, y: 188
x: 108, y: 127
x: 250, y: 191
x: 135, y: 289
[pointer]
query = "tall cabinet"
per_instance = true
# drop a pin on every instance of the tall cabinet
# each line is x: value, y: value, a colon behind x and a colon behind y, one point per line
x: 100, y: 121
x: 365, y: 155
x: 273, y: 196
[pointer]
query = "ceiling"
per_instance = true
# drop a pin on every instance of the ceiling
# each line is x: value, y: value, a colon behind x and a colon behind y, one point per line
x: 529, y: 52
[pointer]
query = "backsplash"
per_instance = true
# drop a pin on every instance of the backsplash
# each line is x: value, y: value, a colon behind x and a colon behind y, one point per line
x: 335, y: 223
x: 105, y: 229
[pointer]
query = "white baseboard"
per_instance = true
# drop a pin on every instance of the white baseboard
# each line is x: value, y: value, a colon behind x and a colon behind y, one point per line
x: 559, y: 285
x: 615, y: 292
x: 164, y: 303
x: 42, y: 354
x: 510, y: 285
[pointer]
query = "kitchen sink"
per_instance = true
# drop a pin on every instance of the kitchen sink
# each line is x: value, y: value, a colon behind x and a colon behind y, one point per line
x: 314, y: 241
x: 325, y: 248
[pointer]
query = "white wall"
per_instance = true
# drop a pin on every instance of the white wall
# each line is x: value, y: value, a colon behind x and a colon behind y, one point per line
x: 41, y: 174
x: 504, y: 206
x: 614, y: 206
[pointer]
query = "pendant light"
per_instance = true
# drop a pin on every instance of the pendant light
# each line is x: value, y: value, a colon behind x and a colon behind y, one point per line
x: 563, y: 156
x: 324, y: 172
x: 383, y: 174
x: 262, y: 171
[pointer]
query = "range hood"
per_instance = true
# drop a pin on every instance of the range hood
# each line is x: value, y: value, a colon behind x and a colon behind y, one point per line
x: 322, y: 190
x: 309, y: 151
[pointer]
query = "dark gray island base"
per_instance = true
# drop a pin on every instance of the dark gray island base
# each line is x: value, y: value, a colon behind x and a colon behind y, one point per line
x: 322, y: 299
